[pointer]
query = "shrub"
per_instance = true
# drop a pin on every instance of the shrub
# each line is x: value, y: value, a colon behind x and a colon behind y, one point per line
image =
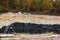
x: 1, y: 8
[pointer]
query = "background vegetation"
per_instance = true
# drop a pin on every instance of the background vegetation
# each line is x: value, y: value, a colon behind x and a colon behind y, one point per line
x: 44, y: 6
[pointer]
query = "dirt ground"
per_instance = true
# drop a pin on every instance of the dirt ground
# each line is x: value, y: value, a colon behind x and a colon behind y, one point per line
x: 29, y: 37
x: 7, y: 19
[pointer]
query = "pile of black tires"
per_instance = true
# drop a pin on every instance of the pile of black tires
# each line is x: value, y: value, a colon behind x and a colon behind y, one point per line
x: 30, y: 28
